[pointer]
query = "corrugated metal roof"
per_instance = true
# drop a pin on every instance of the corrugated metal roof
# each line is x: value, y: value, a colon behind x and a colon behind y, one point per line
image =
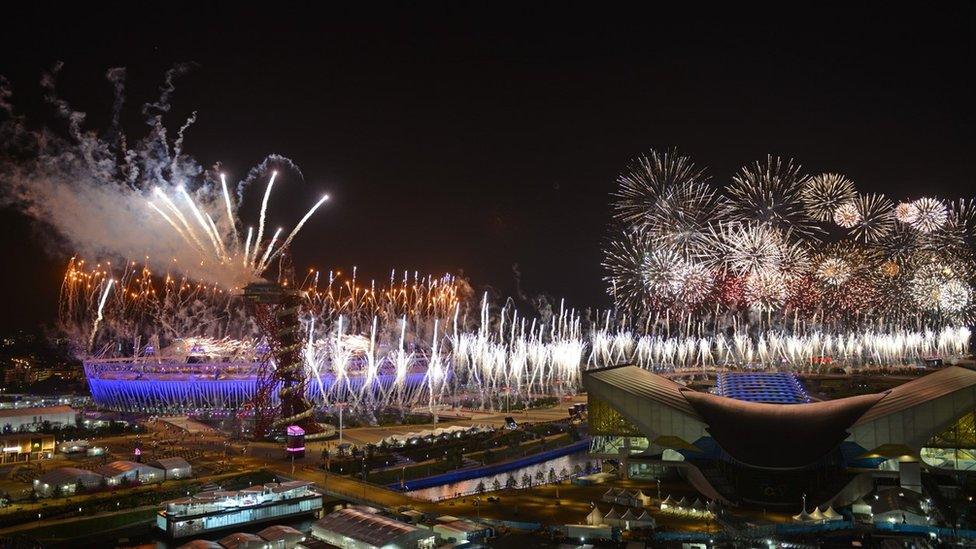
x: 365, y: 527
x: 929, y: 387
x: 280, y: 532
x: 240, y: 538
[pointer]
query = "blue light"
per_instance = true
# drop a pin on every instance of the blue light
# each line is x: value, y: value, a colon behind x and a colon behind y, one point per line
x: 768, y: 387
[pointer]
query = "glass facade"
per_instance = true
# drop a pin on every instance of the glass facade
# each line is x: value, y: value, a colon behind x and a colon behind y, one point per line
x: 604, y: 420
x: 614, y: 445
x: 955, y: 447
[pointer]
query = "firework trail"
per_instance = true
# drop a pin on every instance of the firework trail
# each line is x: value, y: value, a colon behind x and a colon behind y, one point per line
x: 109, y: 196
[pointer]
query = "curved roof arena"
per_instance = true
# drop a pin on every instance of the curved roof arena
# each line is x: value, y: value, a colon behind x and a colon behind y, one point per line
x: 784, y: 435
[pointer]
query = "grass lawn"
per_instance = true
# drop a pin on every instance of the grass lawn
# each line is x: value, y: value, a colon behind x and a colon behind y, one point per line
x: 89, y: 526
x: 498, y: 455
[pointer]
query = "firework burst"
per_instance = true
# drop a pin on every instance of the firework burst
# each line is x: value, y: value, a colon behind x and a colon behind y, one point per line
x: 930, y: 215
x: 847, y: 215
x: 826, y: 192
x: 875, y: 219
x: 905, y: 212
x: 772, y: 194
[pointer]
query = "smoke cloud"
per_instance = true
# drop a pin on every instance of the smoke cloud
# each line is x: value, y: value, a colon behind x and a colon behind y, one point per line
x: 93, y: 191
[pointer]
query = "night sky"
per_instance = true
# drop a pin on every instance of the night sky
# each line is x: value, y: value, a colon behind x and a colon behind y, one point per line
x: 454, y: 137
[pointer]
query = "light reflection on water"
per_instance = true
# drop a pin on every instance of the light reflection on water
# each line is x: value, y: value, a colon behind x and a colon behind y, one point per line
x: 466, y: 487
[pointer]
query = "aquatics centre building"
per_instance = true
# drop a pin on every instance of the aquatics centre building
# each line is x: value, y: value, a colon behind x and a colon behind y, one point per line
x: 760, y: 438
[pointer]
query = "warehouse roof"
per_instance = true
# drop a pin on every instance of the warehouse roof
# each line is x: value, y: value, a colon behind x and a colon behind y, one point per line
x: 65, y: 475
x: 172, y: 463
x: 372, y: 529
x: 280, y: 532
x: 119, y: 467
x: 238, y: 539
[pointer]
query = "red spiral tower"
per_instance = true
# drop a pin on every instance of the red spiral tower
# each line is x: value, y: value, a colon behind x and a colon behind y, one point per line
x: 277, y: 311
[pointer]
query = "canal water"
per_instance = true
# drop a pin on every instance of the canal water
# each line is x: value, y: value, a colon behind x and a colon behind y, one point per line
x: 564, y: 464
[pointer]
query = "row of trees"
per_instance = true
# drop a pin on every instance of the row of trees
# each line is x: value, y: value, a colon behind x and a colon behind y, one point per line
x: 540, y: 478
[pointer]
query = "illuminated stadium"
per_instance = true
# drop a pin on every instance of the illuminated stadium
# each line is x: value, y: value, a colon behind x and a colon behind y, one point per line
x: 226, y: 384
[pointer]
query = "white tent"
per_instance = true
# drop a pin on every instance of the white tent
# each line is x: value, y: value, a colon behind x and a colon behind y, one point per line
x: 612, y: 518
x: 645, y: 520
x: 627, y: 519
x: 667, y: 503
x: 830, y: 514
x: 595, y: 518
x: 644, y: 499
x: 817, y: 516
x: 802, y: 517
x: 860, y: 507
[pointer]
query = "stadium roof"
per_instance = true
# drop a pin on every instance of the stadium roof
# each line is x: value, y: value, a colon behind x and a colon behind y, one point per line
x: 926, y: 388
x: 374, y: 530
x: 641, y: 383
x: 771, y: 387
x: 780, y: 435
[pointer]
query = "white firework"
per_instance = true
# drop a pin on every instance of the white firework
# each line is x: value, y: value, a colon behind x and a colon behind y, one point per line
x: 771, y: 193
x: 874, y: 217
x: 766, y: 290
x: 847, y: 216
x: 930, y: 215
x: 750, y: 249
x: 834, y: 271
x: 906, y: 212
x: 824, y: 193
x: 927, y: 284
x: 954, y: 296
x: 659, y: 272
x: 693, y: 283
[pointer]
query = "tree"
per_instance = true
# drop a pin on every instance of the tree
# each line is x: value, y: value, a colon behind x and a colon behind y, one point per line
x: 510, y: 482
x: 539, y: 477
x: 552, y: 476
x: 481, y: 487
x: 563, y: 473
x: 496, y: 485
x: 577, y: 470
x: 526, y: 480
